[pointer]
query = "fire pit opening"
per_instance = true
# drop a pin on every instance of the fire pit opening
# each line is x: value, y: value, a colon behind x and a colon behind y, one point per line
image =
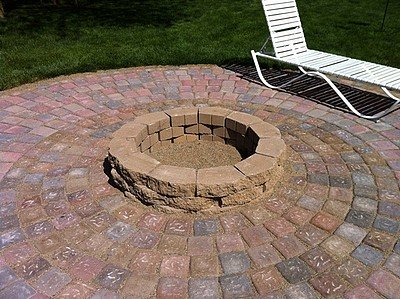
x: 197, y: 154
x: 196, y: 159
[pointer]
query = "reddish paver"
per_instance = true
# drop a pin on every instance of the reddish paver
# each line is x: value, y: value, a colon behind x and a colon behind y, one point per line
x: 58, y: 215
x: 264, y: 255
x: 18, y: 253
x: 33, y: 267
x: 328, y: 285
x: 77, y: 290
x: 280, y: 227
x: 171, y: 287
x: 298, y: 215
x: 233, y: 222
x: 325, y: 221
x: 201, y: 245
x: 229, y: 242
x: 361, y: 291
x: 318, y: 259
x: 268, y: 280
x: 145, y: 263
x: 289, y: 246
x: 86, y: 268
x: 256, y: 235
x: 179, y: 227
x: 152, y: 221
x: 385, y: 283
x: 175, y: 266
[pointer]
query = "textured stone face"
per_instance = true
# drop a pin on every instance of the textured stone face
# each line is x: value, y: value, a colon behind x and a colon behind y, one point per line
x: 173, y: 188
x: 219, y: 181
x: 258, y: 168
x: 173, y: 180
x: 271, y: 147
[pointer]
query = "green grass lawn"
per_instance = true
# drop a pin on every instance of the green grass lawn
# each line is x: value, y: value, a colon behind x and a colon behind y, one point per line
x: 39, y: 42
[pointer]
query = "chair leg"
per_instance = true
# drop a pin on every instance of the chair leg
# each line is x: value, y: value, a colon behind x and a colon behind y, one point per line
x: 332, y: 85
x: 390, y: 95
x: 348, y: 104
x: 261, y: 76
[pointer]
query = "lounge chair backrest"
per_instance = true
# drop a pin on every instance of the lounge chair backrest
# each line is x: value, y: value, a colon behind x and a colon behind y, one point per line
x: 285, y: 27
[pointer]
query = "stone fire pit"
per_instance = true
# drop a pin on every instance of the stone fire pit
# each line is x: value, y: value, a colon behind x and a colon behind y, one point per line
x: 173, y: 188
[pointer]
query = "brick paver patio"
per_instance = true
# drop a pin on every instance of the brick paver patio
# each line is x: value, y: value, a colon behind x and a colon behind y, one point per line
x: 331, y: 231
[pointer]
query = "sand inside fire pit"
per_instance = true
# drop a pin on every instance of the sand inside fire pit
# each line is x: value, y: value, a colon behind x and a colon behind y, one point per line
x: 197, y: 154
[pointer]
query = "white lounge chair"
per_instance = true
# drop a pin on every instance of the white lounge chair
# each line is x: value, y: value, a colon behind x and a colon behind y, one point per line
x: 287, y: 36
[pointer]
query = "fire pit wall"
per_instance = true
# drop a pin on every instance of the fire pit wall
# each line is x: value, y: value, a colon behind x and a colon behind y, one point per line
x: 172, y: 188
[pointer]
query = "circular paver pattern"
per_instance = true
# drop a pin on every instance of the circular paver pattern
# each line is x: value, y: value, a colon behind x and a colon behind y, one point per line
x: 172, y: 188
x: 330, y: 230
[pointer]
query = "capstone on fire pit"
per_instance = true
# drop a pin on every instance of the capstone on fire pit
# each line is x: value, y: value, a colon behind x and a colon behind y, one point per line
x: 172, y: 188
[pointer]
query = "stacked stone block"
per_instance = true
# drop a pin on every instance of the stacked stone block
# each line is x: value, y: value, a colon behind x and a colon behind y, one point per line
x: 173, y: 188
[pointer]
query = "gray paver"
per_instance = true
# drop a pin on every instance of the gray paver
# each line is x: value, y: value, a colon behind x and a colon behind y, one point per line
x: 397, y: 247
x: 385, y: 224
x: 52, y: 281
x: 236, y: 286
x: 360, y: 218
x: 300, y: 291
x: 389, y: 209
x: 367, y: 255
x: 393, y: 263
x: 365, y: 204
x: 204, y: 227
x: 18, y: 290
x: 120, y: 231
x: 204, y: 288
x: 112, y: 277
x: 351, y: 232
x: 294, y: 270
x: 7, y: 276
x: 363, y: 179
x: 234, y: 262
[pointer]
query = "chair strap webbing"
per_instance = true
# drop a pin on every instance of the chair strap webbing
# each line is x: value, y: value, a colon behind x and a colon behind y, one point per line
x: 285, y: 27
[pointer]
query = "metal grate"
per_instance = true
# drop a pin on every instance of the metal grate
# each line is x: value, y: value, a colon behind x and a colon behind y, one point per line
x: 317, y: 90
